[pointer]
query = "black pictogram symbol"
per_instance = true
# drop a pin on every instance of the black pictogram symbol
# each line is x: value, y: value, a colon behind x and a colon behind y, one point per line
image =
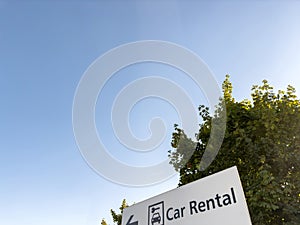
x: 156, y: 214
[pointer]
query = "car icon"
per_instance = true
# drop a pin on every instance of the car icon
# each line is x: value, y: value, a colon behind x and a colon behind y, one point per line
x: 156, y: 218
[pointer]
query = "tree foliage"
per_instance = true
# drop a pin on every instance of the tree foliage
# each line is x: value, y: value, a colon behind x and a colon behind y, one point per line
x: 262, y: 139
x: 117, y: 217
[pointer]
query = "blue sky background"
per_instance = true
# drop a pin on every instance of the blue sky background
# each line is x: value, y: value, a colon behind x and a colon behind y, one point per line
x: 45, y: 47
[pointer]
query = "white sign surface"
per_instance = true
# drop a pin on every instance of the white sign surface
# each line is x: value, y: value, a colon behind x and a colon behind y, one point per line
x: 214, y: 200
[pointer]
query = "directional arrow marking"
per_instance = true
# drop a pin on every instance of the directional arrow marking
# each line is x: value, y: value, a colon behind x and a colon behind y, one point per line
x: 131, y: 223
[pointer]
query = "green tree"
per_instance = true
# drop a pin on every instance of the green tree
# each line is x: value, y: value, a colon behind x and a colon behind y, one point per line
x: 117, y: 217
x: 103, y: 222
x: 262, y: 139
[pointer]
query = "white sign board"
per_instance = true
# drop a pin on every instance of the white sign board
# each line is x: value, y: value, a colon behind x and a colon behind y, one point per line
x: 214, y: 200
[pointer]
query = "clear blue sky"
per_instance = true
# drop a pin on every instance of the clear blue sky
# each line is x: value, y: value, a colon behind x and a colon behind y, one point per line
x: 45, y: 47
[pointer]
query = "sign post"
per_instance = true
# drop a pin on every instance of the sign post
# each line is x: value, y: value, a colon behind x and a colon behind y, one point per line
x: 214, y: 200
